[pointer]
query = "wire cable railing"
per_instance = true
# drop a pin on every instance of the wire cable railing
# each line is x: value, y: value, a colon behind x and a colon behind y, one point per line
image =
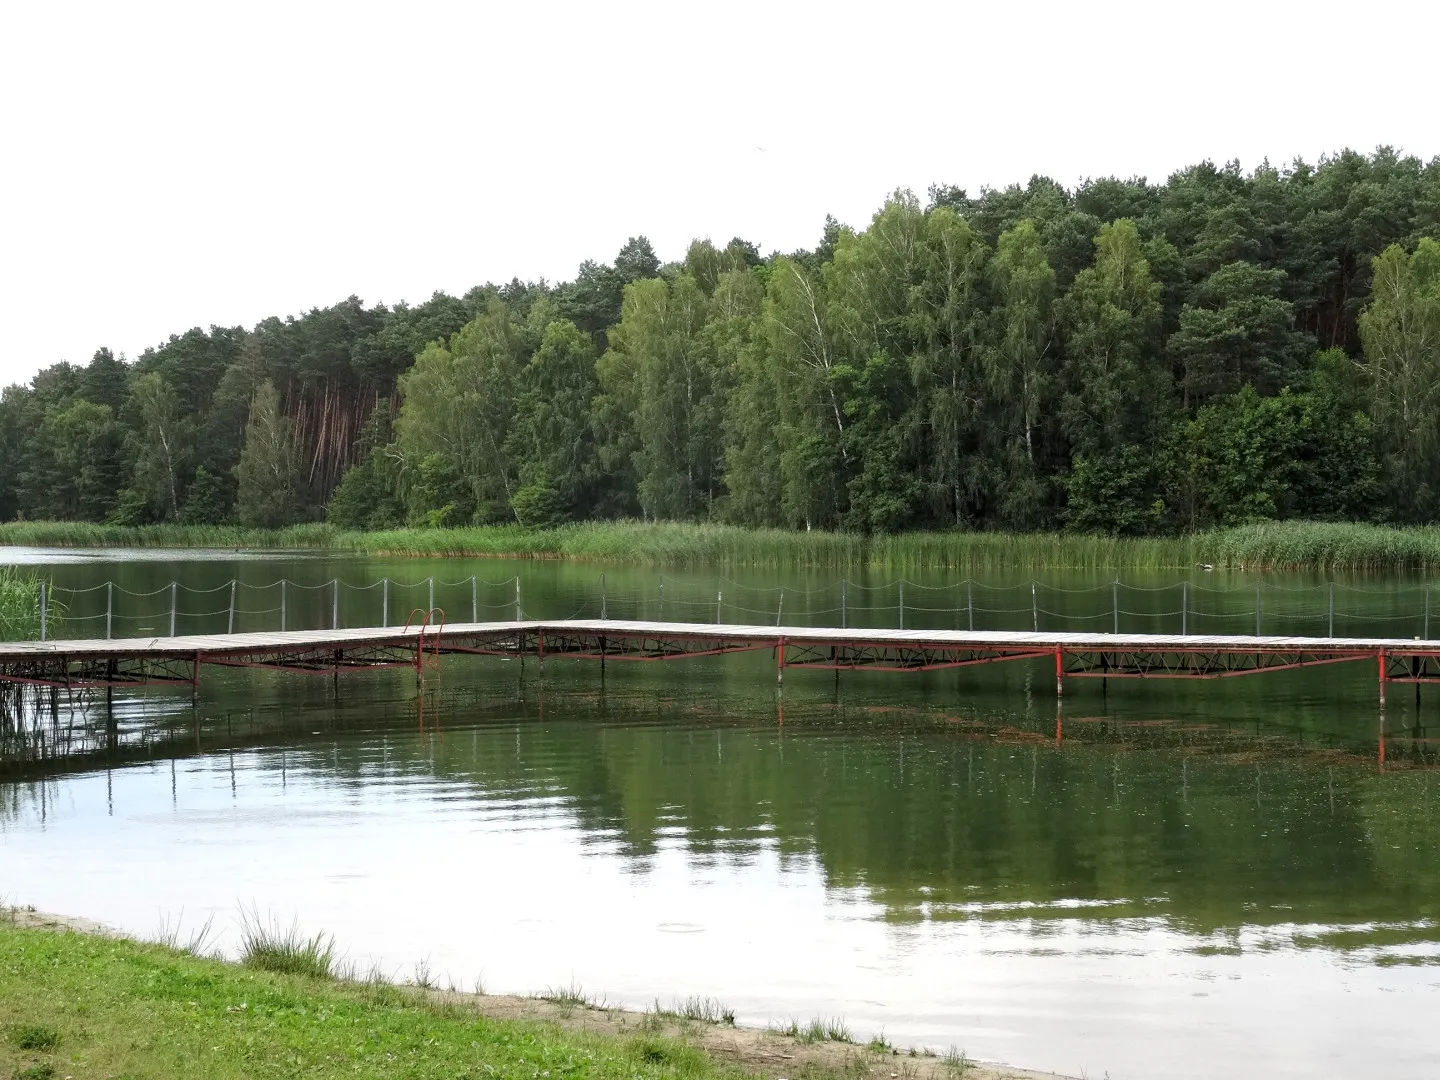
x: 109, y: 609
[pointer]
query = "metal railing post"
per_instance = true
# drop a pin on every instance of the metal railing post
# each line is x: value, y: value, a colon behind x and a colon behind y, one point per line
x: 1427, y: 612
x: 44, y: 611
x: 780, y: 607
x: 1332, y: 609
x: 602, y: 597
x: 842, y: 603
x: 517, y: 597
x: 902, y: 603
x: 174, y: 603
x: 970, y: 602
x: 474, y: 599
x: 1034, y: 609
x: 282, y: 604
x: 109, y: 607
x: 1115, y: 603
x: 431, y: 605
x: 385, y: 602
x: 1184, y: 607
x: 662, y: 598
x: 1257, y: 610
x: 719, y: 594
x: 335, y: 604
x: 230, y: 622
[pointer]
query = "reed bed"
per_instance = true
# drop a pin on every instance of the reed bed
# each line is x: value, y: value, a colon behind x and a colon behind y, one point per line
x: 19, y: 605
x: 1294, y: 545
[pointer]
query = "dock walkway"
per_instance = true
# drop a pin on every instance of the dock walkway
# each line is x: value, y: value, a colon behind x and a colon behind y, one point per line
x: 162, y: 660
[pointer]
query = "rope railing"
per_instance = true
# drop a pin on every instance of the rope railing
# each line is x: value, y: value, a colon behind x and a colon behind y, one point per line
x: 1307, y: 610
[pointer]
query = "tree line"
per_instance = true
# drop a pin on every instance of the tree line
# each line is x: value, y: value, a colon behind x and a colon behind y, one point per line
x: 1124, y: 357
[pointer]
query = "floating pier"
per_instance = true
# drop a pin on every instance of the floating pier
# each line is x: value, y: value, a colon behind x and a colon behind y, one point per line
x: 173, y: 661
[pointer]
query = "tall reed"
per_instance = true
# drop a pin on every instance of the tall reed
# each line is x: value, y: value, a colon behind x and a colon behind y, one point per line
x: 19, y: 605
x: 1291, y: 545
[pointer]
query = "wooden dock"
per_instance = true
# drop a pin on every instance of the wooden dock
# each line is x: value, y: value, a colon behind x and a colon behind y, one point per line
x: 179, y: 660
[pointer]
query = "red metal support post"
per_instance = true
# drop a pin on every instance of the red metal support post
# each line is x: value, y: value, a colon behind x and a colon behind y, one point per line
x: 1381, y: 657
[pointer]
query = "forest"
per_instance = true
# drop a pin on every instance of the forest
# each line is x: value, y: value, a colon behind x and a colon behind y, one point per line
x: 1125, y: 358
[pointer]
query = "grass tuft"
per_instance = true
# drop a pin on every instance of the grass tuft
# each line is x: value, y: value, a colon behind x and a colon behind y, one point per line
x: 169, y: 934
x: 819, y: 1030
x: 572, y: 996
x: 707, y: 1010
x: 267, y: 946
x: 957, y: 1063
x: 669, y: 1054
x: 33, y: 1037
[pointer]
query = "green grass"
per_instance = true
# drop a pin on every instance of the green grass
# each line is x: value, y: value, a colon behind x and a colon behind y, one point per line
x: 819, y: 1030
x: 79, y: 1005
x: 707, y: 1010
x: 1293, y: 545
x: 267, y: 946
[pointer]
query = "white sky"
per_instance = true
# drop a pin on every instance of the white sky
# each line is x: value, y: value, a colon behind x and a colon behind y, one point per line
x: 169, y: 166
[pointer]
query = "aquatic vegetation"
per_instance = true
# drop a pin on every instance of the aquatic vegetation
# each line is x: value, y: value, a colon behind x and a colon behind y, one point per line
x: 19, y: 605
x: 1291, y: 545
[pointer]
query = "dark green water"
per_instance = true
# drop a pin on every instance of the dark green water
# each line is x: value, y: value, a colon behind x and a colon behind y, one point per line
x: 1193, y: 880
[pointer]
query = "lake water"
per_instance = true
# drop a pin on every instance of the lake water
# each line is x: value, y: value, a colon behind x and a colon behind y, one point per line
x: 1194, y: 880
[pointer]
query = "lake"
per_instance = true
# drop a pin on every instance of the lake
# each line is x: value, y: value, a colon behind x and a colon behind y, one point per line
x: 1194, y: 879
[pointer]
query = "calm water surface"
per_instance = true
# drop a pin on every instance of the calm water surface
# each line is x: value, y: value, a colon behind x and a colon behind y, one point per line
x: 1194, y: 880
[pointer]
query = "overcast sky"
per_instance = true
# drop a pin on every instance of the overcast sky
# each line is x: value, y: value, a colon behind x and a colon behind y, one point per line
x: 169, y: 166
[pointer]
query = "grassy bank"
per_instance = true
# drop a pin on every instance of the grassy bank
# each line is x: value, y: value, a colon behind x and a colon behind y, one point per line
x: 80, y: 1005
x: 1277, y: 545
x: 83, y: 1004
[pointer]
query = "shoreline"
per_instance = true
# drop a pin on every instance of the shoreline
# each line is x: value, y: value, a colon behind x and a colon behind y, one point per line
x: 1301, y: 546
x: 767, y: 1052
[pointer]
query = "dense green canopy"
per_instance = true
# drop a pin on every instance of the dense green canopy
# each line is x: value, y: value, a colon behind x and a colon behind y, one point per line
x: 1125, y: 357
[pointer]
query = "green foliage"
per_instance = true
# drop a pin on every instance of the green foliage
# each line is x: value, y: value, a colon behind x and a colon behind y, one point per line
x: 268, y: 475
x: 1401, y: 332
x: 552, y: 438
x: 1030, y: 357
x: 75, y: 467
x: 209, y: 499
x: 160, y: 443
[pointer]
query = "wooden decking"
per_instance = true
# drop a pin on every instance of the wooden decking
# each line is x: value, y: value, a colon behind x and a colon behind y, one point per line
x: 151, y: 660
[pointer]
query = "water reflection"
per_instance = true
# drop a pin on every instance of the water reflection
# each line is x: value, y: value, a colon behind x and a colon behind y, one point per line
x: 1087, y: 890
